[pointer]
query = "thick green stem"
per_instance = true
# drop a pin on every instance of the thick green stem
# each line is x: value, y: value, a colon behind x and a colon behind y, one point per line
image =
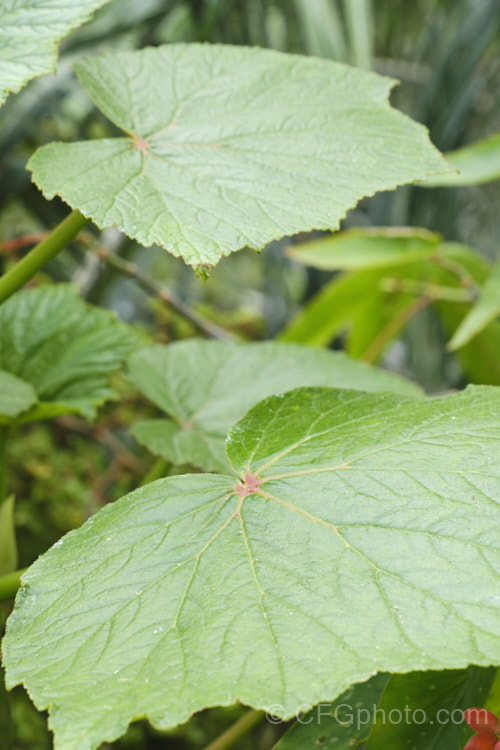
x: 238, y: 730
x: 41, y: 254
x: 9, y: 585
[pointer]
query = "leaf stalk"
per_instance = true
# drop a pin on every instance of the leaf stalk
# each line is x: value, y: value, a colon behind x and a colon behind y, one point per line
x: 41, y: 254
x: 238, y: 730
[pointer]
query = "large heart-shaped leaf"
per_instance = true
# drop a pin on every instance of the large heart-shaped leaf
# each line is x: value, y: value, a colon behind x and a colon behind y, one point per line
x: 227, y: 147
x: 59, y: 350
x: 362, y: 536
x: 29, y: 33
x: 207, y: 386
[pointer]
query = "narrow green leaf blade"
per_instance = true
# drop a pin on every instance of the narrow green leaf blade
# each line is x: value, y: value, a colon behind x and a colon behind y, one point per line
x: 16, y: 396
x: 332, y: 309
x: 29, y: 34
x: 65, y: 349
x: 235, y: 136
x: 476, y: 164
x: 340, y: 725
x: 362, y: 536
x: 424, y: 710
x: 8, y: 547
x: 207, y: 386
x: 355, y: 249
x: 486, y: 309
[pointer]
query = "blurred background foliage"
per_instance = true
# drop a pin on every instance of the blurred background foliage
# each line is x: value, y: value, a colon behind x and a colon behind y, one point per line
x: 445, y: 54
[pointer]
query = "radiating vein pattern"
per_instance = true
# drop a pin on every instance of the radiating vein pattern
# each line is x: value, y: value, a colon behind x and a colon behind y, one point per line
x: 227, y: 147
x: 362, y: 536
x: 207, y: 386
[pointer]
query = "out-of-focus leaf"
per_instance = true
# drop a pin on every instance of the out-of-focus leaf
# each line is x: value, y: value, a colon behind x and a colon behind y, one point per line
x: 361, y: 27
x: 325, y: 315
x: 354, y: 526
x: 235, y: 135
x: 486, y: 309
x: 8, y: 548
x: 64, y: 348
x: 477, y: 164
x: 337, y: 726
x: 322, y: 29
x: 423, y: 710
x: 16, y: 396
x: 206, y: 386
x: 29, y: 33
x: 356, y: 249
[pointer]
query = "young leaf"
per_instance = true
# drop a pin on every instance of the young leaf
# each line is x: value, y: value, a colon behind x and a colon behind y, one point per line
x: 29, y: 33
x: 362, y: 536
x: 355, y: 249
x: 484, y: 311
x: 424, y: 710
x: 332, y: 309
x: 207, y: 386
x: 476, y: 164
x: 16, y: 396
x: 62, y: 349
x: 227, y: 147
x: 340, y: 725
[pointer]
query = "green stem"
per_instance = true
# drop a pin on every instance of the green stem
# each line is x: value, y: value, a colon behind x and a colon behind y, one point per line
x: 238, y: 730
x: 41, y: 254
x: 157, y: 471
x: 9, y: 585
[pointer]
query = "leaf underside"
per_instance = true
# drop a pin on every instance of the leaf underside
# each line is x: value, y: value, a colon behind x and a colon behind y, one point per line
x: 29, y: 33
x: 207, y: 386
x: 57, y: 354
x: 241, y: 146
x: 365, y: 539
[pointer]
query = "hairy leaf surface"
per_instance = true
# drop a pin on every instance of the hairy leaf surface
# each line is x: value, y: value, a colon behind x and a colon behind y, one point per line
x: 240, y: 146
x: 29, y: 33
x: 62, y: 349
x: 207, y: 386
x: 361, y: 536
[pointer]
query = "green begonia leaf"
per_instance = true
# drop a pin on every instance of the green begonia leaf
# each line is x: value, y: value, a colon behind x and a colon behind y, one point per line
x: 362, y: 535
x: 207, y: 386
x: 63, y: 348
x: 227, y: 147
x: 16, y: 396
x: 29, y: 33
x: 424, y: 710
x: 337, y: 726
